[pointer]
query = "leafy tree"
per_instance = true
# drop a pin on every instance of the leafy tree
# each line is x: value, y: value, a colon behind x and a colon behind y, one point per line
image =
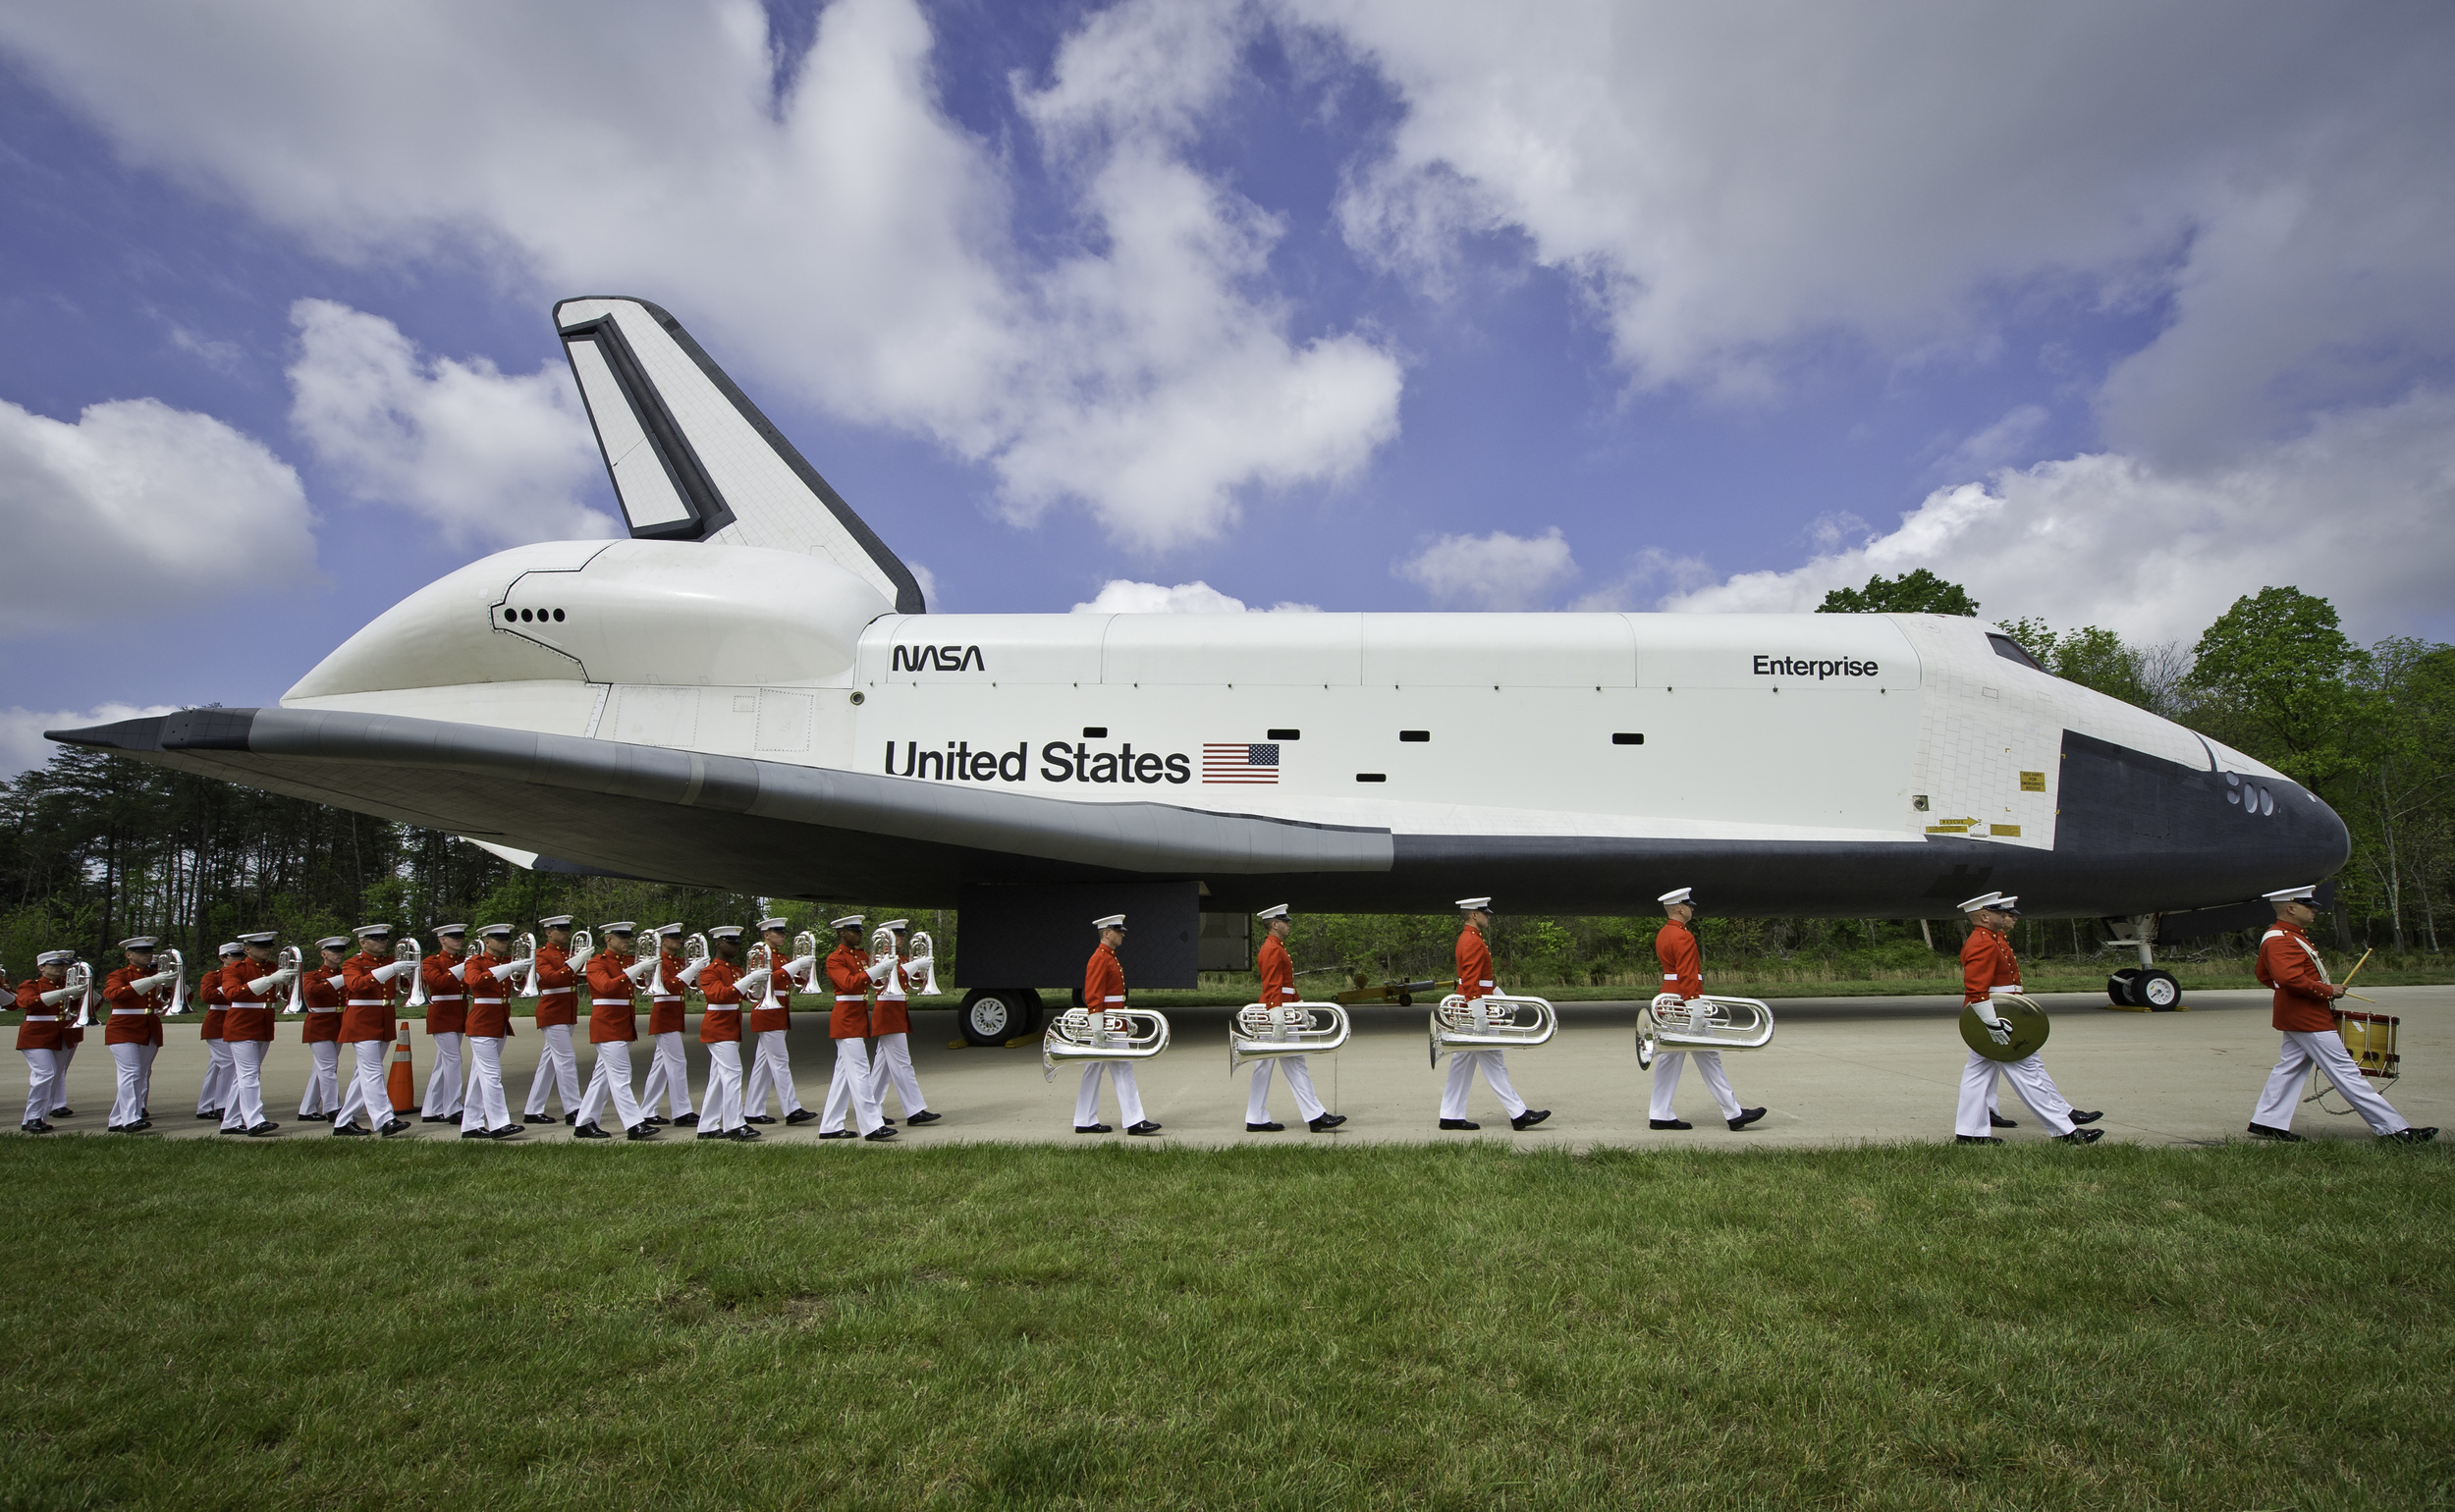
x: 2093, y: 657
x: 2279, y: 676
x: 1917, y: 592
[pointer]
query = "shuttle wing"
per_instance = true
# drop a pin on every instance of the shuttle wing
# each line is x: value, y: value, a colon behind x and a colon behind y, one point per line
x: 693, y: 459
x: 717, y: 820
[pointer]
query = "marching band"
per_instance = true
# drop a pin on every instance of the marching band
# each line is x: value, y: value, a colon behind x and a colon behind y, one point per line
x: 352, y: 999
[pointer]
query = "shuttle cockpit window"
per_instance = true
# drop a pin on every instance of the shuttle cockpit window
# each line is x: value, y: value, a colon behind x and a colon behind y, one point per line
x: 2011, y: 650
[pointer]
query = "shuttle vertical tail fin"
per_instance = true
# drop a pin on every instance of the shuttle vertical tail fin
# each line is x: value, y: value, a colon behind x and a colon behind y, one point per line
x: 693, y: 459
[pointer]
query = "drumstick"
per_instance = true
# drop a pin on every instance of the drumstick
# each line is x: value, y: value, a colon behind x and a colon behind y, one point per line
x: 2357, y: 969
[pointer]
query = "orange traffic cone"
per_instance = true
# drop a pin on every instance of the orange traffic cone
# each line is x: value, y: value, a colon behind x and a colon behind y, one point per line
x: 402, y: 1085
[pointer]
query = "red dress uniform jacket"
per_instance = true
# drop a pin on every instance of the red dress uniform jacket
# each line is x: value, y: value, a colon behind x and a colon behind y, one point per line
x: 665, y: 1005
x: 324, y: 1005
x: 2288, y: 963
x: 720, y: 983
x: 848, y: 970
x: 611, y: 1015
x: 40, y: 1029
x: 558, y: 988
x: 1474, y: 964
x: 134, y: 1016
x: 447, y: 996
x: 1276, y: 971
x: 365, y: 1003
x: 1683, y: 968
x: 1986, y: 960
x: 251, y: 1013
x: 766, y: 1020
x: 1104, y: 980
x: 889, y: 1014
x: 210, y: 991
x: 489, y: 1015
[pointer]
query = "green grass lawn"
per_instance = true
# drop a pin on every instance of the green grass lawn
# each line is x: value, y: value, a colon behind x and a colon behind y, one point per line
x: 204, y: 1325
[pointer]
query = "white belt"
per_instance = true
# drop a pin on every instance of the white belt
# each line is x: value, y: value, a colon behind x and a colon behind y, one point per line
x: 891, y: 997
x: 485, y: 1002
x: 851, y: 998
x: 370, y: 1002
x: 323, y: 1011
x: 453, y: 997
x: 609, y: 1003
x: 115, y: 1013
x: 2014, y: 987
x: 41, y: 1018
x: 1119, y: 998
x: 1486, y: 982
x: 666, y: 997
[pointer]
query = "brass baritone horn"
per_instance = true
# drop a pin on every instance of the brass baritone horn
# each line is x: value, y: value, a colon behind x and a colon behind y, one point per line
x: 294, y: 960
x: 1102, y: 1034
x: 1262, y: 1033
x: 1669, y: 1025
x: 695, y: 949
x: 1491, y: 1022
x: 925, y: 953
x: 178, y: 984
x: 413, y: 954
x: 528, y: 977
x: 882, y: 948
x: 81, y: 977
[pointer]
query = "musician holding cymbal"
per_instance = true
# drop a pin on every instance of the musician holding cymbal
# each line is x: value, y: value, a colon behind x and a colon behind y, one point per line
x: 1277, y: 974
x: 1683, y: 973
x: 2289, y: 963
x: 1475, y: 982
x: 1990, y: 970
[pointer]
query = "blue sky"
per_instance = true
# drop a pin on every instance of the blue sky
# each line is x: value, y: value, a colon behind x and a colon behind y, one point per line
x: 2113, y: 315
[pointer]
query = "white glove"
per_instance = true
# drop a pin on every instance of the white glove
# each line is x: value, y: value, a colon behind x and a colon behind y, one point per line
x: 1999, y: 1028
x: 640, y: 972
x: 509, y: 969
x: 273, y: 979
x: 158, y: 979
x: 800, y: 966
x: 879, y: 971
x: 53, y: 1000
x: 387, y: 973
x: 690, y: 973
x: 917, y: 966
x: 754, y: 981
x: 579, y: 963
x: 336, y: 981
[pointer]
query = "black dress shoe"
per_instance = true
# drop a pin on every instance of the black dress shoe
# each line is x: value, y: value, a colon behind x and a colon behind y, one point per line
x: 571, y: 1117
x: 1977, y: 1139
x: 711, y: 1134
x: 804, y: 1116
x: 761, y: 1118
x: 1265, y: 1128
x: 653, y: 1121
x: 1145, y: 1127
x: 687, y: 1121
x: 2280, y: 1136
x: 507, y: 1131
x: 588, y: 1131
x: 477, y: 1133
x: 1327, y: 1122
x: 2412, y: 1136
x: 882, y: 1132
x: 263, y: 1129
x: 836, y: 1134
x: 440, y: 1119
x: 141, y: 1124
x: 742, y: 1136
x: 1459, y: 1123
x: 216, y: 1114
x: 396, y: 1126
x: 35, y: 1128
x: 2081, y: 1117
x: 1093, y: 1128
x: 1995, y: 1121
x: 2082, y: 1136
x: 538, y: 1119
x: 1747, y: 1115
x: 923, y: 1116
x: 640, y: 1130
x: 889, y: 1122
x: 1669, y: 1123
x: 64, y: 1112
x: 349, y: 1131
x: 1530, y: 1117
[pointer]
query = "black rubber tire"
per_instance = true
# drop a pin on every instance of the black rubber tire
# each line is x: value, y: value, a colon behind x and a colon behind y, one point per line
x: 2122, y: 988
x: 2156, y: 991
x: 993, y: 1016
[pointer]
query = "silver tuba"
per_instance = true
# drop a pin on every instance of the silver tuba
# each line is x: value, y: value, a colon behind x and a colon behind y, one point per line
x: 695, y: 949
x: 1671, y: 1026
x: 1494, y: 1021
x: 583, y: 945
x: 1102, y: 1034
x: 528, y: 977
x: 925, y: 951
x: 179, y: 982
x: 1260, y: 1032
x: 294, y: 960
x: 81, y: 977
x: 882, y: 949
x: 760, y: 958
x: 408, y: 950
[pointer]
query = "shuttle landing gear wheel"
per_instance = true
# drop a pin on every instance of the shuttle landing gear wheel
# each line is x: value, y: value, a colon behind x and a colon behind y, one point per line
x: 993, y: 1016
x: 2123, y: 987
x: 2156, y: 991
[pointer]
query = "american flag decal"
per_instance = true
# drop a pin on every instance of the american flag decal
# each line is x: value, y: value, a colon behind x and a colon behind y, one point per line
x: 1240, y: 763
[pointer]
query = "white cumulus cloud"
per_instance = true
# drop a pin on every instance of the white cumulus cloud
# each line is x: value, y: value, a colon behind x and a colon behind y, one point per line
x: 1498, y: 571
x: 127, y: 507
x: 489, y: 457
x: 22, y: 747
x: 1122, y: 596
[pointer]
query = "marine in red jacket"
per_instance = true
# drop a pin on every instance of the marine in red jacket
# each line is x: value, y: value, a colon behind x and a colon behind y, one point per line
x: 369, y: 982
x: 214, y: 1090
x: 1988, y: 971
x: 249, y: 986
x: 1476, y: 982
x: 771, y: 1017
x: 848, y: 1089
x: 720, y: 985
x: 1270, y: 963
x: 137, y: 992
x: 558, y: 1012
x: 486, y: 978
x: 891, y: 1029
x: 668, y: 1063
x: 2303, y: 1011
x: 613, y: 1024
x: 48, y: 1002
x: 447, y: 1023
x: 319, y: 1027
x: 1104, y: 989
x: 1683, y: 978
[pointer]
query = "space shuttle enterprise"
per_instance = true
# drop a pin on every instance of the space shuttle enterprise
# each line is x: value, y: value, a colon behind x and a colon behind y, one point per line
x: 748, y: 693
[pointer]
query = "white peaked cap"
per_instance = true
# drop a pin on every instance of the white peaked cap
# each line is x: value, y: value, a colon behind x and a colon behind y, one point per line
x: 1470, y: 904
x: 333, y: 942
x: 495, y: 931
x: 260, y: 937
x: 559, y: 921
x: 441, y: 930
x: 138, y: 942
x: 848, y: 921
x: 2290, y: 895
x: 55, y: 958
x: 896, y: 924
x: 1113, y: 921
x: 1274, y: 911
x: 231, y: 947
x: 621, y: 926
x: 1677, y: 895
x: 373, y: 932
x: 1982, y: 900
x: 775, y: 923
x: 726, y: 931
x: 663, y: 930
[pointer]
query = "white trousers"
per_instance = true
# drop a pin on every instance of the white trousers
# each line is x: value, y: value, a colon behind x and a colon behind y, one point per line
x: 558, y: 1071
x: 2028, y: 1078
x: 669, y: 1075
x: 214, y: 1094
x: 1463, y: 1067
x: 721, y: 1108
x: 1667, y: 1070
x: 144, y: 1078
x: 367, y: 1090
x: 67, y: 1054
x: 130, y: 1061
x: 483, y: 1106
x: 245, y: 1109
x: 323, y: 1088
x: 443, y: 1082
x: 771, y: 1066
x: 891, y: 1061
x: 2324, y: 1051
x: 609, y: 1082
x: 42, y: 1084
x: 848, y: 1089
x: 1121, y: 1075
x: 1299, y: 1081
